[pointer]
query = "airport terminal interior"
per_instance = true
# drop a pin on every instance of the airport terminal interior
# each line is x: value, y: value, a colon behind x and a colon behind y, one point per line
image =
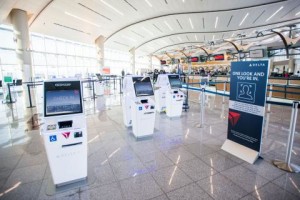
x: 149, y: 99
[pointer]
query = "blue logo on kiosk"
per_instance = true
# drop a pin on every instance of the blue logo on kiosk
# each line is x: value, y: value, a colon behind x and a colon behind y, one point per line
x: 52, y: 138
x: 140, y: 108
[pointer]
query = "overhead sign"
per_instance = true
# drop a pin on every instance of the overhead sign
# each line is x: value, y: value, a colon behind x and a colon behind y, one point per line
x: 248, y: 84
x: 258, y: 53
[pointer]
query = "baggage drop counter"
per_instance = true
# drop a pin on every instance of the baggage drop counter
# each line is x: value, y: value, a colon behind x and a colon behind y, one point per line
x: 64, y: 131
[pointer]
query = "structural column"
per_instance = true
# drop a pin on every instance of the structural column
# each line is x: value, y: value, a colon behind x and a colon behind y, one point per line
x: 132, y: 60
x: 21, y: 34
x: 99, y: 42
x: 150, y: 62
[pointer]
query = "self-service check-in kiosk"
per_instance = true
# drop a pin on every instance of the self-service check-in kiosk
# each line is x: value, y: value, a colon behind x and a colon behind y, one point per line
x: 168, y: 97
x: 64, y: 131
x: 138, y: 106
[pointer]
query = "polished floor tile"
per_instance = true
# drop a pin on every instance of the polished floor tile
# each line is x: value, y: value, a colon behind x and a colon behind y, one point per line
x: 140, y: 187
x: 219, y: 187
x: 180, y: 160
x: 171, y: 178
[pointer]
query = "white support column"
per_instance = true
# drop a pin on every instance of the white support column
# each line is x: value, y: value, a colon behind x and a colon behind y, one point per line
x: 99, y: 42
x: 150, y: 62
x: 19, y: 20
x: 132, y: 60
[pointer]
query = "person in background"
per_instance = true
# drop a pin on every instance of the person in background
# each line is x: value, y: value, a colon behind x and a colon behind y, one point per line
x: 123, y: 73
x: 286, y: 75
x: 298, y: 73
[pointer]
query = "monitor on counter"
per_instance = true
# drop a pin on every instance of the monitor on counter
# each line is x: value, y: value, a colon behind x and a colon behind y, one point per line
x: 62, y: 98
x: 175, y: 81
x: 142, y: 86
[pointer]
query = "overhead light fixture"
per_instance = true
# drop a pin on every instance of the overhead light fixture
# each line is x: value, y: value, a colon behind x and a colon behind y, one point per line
x: 191, y: 23
x: 147, y: 1
x: 183, y: 1
x: 147, y: 31
x: 274, y: 13
x: 232, y: 35
x: 298, y: 13
x: 196, y: 38
x: 213, y: 37
x: 168, y: 25
x: 216, y: 23
x: 244, y: 19
x: 81, y: 19
x: 179, y: 38
x: 108, y: 5
x: 128, y: 38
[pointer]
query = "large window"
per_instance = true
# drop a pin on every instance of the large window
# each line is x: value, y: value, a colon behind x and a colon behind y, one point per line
x: 56, y: 57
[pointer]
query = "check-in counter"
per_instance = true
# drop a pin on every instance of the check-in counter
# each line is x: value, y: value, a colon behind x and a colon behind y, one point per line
x: 220, y: 86
x: 285, y: 88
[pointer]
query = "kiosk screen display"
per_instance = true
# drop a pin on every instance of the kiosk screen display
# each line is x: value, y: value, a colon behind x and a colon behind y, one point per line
x: 142, y: 86
x: 175, y: 81
x: 62, y: 98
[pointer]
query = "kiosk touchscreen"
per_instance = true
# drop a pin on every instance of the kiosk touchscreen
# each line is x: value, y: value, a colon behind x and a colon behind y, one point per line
x: 168, y: 96
x: 64, y: 131
x: 138, y: 106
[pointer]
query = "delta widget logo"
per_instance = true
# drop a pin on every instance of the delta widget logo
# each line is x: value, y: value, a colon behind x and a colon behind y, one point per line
x: 233, y: 118
x: 66, y: 135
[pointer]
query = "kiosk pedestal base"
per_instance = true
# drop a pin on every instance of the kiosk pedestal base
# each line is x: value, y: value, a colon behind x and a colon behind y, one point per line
x: 240, y: 151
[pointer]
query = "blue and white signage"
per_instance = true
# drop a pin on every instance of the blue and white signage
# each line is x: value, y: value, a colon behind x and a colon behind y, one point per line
x: 52, y: 138
x: 248, y: 86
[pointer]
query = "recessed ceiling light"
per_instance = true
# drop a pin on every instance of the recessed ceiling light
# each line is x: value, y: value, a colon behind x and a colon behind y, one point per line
x: 179, y: 38
x: 244, y: 19
x: 213, y: 37
x: 108, y: 5
x: 147, y: 1
x: 183, y: 1
x: 232, y: 35
x: 298, y: 13
x: 128, y: 38
x: 196, y: 38
x: 81, y: 19
x: 168, y: 25
x: 274, y: 13
x: 216, y: 23
x: 191, y: 23
x: 147, y: 31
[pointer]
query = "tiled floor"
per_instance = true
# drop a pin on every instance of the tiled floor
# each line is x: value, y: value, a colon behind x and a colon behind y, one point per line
x: 180, y: 161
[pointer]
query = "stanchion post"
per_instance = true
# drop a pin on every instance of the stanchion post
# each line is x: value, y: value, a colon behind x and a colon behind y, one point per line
x: 269, y: 98
x: 224, y: 90
x: 94, y: 96
x: 202, y: 107
x: 29, y: 96
x: 287, y: 165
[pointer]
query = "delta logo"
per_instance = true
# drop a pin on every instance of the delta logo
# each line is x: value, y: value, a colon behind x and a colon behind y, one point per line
x: 146, y: 106
x: 66, y: 134
x: 233, y: 118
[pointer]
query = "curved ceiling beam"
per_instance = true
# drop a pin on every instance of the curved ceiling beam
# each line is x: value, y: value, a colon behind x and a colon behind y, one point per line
x: 173, y: 45
x: 201, y: 32
x: 50, y: 2
x: 284, y: 42
x: 199, y: 12
x: 204, y: 50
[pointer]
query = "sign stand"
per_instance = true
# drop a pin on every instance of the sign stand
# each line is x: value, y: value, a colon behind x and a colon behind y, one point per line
x: 248, y: 85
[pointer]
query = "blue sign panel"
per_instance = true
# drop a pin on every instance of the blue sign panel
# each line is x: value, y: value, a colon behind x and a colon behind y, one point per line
x: 52, y: 138
x: 140, y: 108
x: 248, y: 85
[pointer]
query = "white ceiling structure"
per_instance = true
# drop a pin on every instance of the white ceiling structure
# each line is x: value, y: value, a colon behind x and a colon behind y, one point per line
x: 155, y: 26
